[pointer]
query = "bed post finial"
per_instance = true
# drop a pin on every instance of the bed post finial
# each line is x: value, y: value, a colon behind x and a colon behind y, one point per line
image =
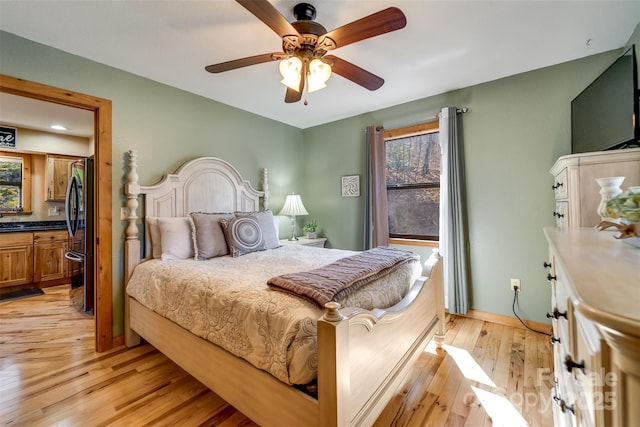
x: 132, y: 243
x: 332, y: 314
x: 265, y: 189
x: 132, y: 190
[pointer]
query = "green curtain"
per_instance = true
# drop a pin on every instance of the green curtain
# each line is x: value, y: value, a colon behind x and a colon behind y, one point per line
x: 376, y: 222
x: 454, y: 236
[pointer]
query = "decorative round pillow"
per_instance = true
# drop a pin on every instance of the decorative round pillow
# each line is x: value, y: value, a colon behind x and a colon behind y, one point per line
x: 243, y: 235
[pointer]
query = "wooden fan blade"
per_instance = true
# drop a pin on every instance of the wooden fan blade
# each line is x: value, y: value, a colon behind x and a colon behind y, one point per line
x: 293, y: 95
x: 264, y: 11
x: 354, y: 73
x: 382, y: 22
x: 243, y: 62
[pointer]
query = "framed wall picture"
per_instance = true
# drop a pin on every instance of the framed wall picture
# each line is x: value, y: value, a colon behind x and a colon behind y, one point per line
x: 8, y: 136
x: 351, y: 186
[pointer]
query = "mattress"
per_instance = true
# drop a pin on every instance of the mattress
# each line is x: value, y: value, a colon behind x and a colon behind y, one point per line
x: 226, y: 301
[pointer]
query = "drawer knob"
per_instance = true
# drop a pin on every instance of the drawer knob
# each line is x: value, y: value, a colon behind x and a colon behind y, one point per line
x: 557, y: 185
x: 551, y: 277
x: 547, y: 264
x: 557, y: 314
x: 554, y: 339
x: 558, y: 214
x: 563, y: 405
x: 571, y: 365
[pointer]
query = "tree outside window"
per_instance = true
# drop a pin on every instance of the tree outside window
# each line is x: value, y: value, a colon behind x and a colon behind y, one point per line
x: 413, y: 185
x: 11, y: 170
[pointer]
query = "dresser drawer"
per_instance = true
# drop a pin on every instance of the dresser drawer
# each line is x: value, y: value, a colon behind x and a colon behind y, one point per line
x: 594, y: 382
x: 561, y: 309
x: 563, y: 395
x: 16, y: 239
x: 562, y: 419
x: 561, y: 213
x: 560, y: 185
x: 50, y: 236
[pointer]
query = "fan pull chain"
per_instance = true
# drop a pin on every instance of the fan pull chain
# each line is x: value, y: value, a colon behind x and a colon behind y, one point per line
x: 306, y: 89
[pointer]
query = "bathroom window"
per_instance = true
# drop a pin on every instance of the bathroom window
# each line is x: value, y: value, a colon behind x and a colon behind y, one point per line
x: 15, y: 183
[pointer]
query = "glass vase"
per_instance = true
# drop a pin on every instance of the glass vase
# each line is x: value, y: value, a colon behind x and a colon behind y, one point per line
x: 609, y: 188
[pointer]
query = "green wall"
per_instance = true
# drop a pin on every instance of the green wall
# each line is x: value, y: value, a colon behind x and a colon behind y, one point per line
x: 167, y: 126
x: 514, y: 131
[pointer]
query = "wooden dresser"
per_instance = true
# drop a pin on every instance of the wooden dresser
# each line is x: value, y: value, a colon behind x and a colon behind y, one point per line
x: 595, y: 281
x: 576, y: 191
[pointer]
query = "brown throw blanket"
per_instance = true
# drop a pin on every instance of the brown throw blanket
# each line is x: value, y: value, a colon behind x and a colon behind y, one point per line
x: 339, y: 279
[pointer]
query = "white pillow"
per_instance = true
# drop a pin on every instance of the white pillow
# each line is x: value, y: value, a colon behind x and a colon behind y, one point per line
x: 276, y: 225
x: 176, y: 238
x: 153, y: 228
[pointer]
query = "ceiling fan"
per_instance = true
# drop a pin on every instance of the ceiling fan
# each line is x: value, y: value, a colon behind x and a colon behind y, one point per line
x: 305, y: 44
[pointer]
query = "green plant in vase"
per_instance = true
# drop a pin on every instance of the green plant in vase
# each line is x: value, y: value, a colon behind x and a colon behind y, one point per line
x: 310, y: 228
x: 625, y: 208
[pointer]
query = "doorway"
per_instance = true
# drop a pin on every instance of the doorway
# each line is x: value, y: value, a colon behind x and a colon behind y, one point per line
x: 101, y: 109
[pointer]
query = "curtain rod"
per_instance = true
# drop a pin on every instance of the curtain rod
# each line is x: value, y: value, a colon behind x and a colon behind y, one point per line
x: 458, y: 110
x: 461, y: 110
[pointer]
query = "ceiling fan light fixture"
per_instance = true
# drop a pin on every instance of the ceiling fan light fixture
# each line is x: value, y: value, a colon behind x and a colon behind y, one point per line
x: 291, y: 70
x: 319, y: 73
x: 305, y: 43
x: 315, y: 85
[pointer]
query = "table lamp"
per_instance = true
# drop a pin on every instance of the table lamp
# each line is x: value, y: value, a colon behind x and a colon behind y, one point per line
x: 293, y: 207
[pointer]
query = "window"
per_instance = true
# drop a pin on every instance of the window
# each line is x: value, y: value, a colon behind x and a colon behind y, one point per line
x: 15, y: 183
x: 413, y: 182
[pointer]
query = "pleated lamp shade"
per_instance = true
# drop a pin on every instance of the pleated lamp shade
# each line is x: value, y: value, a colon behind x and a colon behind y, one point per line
x: 293, y: 206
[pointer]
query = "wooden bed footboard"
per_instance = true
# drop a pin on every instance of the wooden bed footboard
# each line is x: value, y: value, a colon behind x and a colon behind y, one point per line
x: 364, y: 356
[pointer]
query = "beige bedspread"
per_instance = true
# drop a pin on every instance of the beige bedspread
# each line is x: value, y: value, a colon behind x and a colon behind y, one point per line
x: 226, y: 301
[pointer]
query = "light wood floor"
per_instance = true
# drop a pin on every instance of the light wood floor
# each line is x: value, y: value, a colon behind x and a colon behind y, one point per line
x: 50, y: 376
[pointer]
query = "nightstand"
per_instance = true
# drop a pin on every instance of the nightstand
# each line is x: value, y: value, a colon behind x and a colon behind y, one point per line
x: 318, y: 243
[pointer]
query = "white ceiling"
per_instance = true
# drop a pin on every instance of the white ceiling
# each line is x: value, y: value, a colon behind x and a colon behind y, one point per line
x: 446, y: 45
x: 29, y: 113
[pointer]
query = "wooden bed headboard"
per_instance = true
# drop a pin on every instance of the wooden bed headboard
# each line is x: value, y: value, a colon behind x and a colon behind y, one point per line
x: 205, y: 184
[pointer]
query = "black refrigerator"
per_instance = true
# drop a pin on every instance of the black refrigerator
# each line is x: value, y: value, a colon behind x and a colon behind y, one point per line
x: 79, y: 212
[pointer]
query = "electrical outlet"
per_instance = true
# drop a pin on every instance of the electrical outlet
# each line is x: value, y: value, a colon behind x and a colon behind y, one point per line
x: 515, y: 285
x: 124, y: 213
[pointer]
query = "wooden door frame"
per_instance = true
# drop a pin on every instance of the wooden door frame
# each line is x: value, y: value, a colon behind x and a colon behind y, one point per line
x: 103, y: 244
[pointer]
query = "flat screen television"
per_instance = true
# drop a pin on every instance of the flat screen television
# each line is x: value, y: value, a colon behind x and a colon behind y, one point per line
x: 604, y: 116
